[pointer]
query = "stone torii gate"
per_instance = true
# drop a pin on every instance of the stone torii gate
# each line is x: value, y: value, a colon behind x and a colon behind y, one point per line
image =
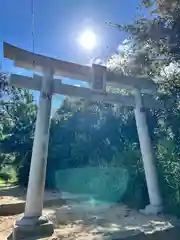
x: 99, y: 77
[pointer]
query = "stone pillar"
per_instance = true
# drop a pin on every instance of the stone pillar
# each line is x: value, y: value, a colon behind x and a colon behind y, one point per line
x: 98, y: 81
x: 35, y: 191
x: 147, y: 156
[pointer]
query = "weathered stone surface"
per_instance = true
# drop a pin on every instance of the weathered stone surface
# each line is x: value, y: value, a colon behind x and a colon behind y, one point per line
x: 172, y: 233
x: 68, y: 214
x: 18, y: 207
x: 23, y: 232
x: 11, y: 208
x: 168, y: 234
x: 123, y: 235
x: 149, y: 209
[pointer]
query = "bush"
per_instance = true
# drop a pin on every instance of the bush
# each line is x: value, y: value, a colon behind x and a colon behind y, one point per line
x: 23, y: 174
x: 8, y: 174
x: 169, y: 175
x: 5, y: 176
x: 136, y: 194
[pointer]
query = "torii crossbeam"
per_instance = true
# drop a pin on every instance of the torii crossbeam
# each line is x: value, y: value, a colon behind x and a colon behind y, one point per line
x: 98, y: 77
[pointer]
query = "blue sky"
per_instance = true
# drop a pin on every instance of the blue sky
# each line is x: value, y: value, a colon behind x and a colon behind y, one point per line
x: 57, y: 25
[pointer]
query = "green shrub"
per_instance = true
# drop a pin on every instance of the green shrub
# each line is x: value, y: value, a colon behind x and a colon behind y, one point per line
x: 5, y: 176
x: 168, y: 166
x: 136, y: 194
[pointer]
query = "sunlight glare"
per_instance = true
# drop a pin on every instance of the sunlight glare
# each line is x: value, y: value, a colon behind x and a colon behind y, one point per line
x: 88, y: 40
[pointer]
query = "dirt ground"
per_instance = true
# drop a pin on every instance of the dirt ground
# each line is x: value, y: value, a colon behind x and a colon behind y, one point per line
x: 87, y: 221
x: 14, y: 194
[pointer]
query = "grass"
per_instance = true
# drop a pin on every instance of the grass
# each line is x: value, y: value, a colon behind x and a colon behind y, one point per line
x: 2, y: 182
x: 9, y: 183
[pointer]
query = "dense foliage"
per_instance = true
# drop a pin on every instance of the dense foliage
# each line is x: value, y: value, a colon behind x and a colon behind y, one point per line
x: 95, y: 134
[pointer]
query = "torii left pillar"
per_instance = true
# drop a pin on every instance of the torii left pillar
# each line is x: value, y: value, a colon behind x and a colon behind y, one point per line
x: 33, y: 222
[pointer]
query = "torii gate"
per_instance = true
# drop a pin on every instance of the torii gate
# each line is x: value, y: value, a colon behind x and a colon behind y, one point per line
x: 99, y: 77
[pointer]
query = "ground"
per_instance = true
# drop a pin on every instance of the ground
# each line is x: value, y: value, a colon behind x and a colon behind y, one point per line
x: 84, y: 220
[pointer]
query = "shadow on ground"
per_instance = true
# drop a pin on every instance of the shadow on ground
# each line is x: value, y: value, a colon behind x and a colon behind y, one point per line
x: 13, y: 191
x: 83, y: 220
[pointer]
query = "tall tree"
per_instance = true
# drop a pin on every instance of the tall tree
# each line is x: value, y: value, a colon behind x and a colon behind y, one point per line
x: 153, y: 50
x: 18, y: 114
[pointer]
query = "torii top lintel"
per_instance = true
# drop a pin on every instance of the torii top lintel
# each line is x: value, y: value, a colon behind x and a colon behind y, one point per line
x: 29, y: 60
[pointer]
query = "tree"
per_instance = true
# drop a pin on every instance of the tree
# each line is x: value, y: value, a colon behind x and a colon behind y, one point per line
x: 153, y: 50
x: 164, y: 6
x: 3, y: 83
x: 18, y: 114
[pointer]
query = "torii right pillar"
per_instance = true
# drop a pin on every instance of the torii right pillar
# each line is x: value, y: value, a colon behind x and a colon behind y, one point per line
x: 155, y: 199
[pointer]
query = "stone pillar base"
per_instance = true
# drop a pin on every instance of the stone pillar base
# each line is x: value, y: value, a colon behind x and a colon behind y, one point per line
x: 151, y: 209
x: 42, y: 229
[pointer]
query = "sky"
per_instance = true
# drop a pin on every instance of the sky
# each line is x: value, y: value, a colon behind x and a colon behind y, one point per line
x: 57, y: 25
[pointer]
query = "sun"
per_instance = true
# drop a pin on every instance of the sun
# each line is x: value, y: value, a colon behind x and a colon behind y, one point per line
x: 87, y: 40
